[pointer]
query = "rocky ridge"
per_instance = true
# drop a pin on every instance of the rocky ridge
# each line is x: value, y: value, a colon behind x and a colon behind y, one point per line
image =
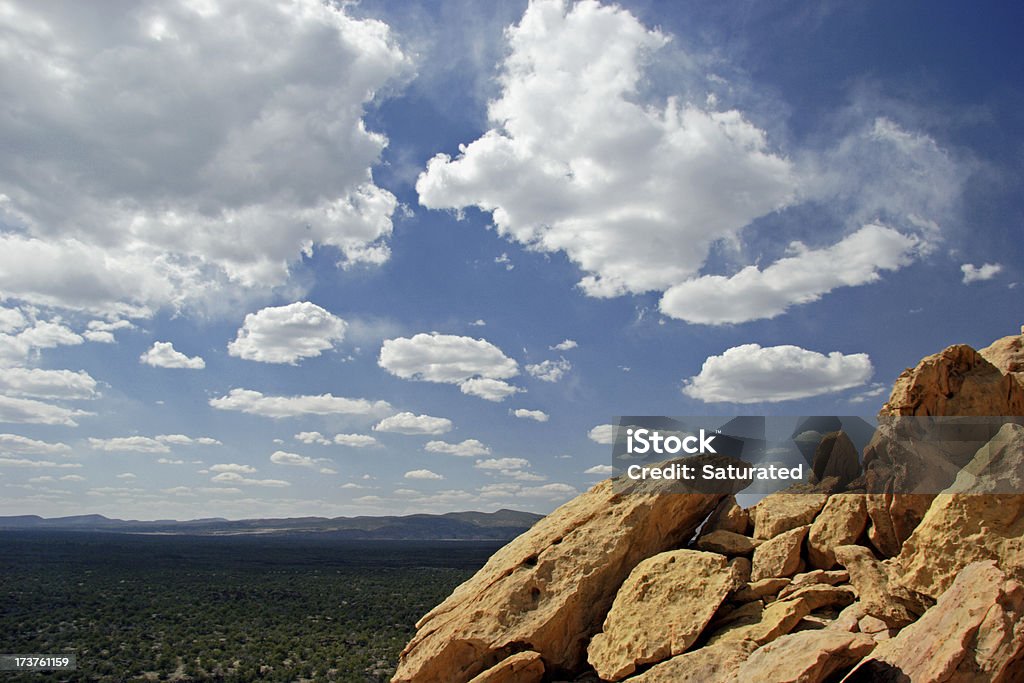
x: 646, y: 586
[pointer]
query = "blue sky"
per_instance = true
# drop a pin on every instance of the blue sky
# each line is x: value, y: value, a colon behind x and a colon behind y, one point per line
x: 385, y: 258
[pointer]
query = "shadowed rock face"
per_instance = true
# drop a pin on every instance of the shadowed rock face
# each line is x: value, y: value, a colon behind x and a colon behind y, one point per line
x: 795, y: 589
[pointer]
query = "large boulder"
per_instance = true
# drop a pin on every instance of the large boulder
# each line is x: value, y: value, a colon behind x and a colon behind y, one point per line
x: 549, y: 589
x: 974, y: 633
x: 805, y: 657
x: 523, y: 667
x: 780, y: 512
x: 841, y: 523
x: 712, y: 664
x: 780, y: 556
x: 956, y: 381
x: 683, y: 588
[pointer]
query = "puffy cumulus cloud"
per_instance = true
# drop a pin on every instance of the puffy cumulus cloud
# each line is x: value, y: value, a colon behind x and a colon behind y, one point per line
x: 986, y: 271
x: 163, y: 355
x: 524, y: 414
x: 603, y: 434
x: 603, y: 470
x: 255, y: 403
x: 134, y: 444
x: 502, y: 464
x: 293, y: 459
x: 11, y: 320
x: 565, y: 345
x: 588, y: 156
x: 633, y: 192
x: 233, y: 467
x: 488, y: 389
x: 15, y: 443
x: 312, y: 438
x: 24, y: 340
x: 355, y: 440
x: 285, y: 334
x: 235, y: 478
x: 423, y: 474
x: 803, y: 277
x: 176, y: 158
x: 466, y: 449
x: 102, y: 331
x: 550, y: 370
x: 28, y: 411
x: 183, y: 440
x: 477, y: 365
x: 36, y: 383
x: 752, y: 374
x: 409, y: 423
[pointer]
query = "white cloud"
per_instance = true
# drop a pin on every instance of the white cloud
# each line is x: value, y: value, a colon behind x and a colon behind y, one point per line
x: 126, y: 475
x: 445, y: 358
x: 986, y: 271
x: 564, y: 345
x: 502, y: 464
x: 183, y: 440
x: 550, y: 370
x: 169, y: 461
x: 235, y: 478
x: 135, y: 444
x: 312, y: 438
x: 752, y: 374
x: 11, y: 320
x: 603, y: 434
x: 102, y: 331
x: 255, y: 403
x: 72, y: 477
x: 633, y: 192
x: 599, y: 469
x: 466, y: 449
x: 285, y: 334
x: 478, y: 323
x: 523, y: 413
x: 15, y: 443
x: 163, y: 355
x: 489, y: 389
x: 423, y: 474
x: 355, y: 440
x: 24, y: 343
x: 25, y: 462
x: 554, y: 491
x: 807, y: 275
x: 233, y: 467
x: 408, y: 423
x: 505, y: 261
x: 23, y: 410
x: 294, y: 459
x: 177, y: 158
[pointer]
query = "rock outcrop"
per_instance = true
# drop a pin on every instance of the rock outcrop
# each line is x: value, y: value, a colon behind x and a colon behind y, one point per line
x: 549, y: 590
x: 854, y: 575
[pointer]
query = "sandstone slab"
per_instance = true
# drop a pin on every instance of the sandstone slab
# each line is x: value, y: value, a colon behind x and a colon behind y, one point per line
x: 550, y: 588
x: 805, y: 657
x: 712, y: 664
x: 757, y: 590
x: 780, y: 512
x: 660, y: 610
x: 957, y: 530
x: 975, y: 632
x: 780, y: 556
x: 522, y: 667
x: 726, y: 543
x: 877, y: 594
x: 841, y: 522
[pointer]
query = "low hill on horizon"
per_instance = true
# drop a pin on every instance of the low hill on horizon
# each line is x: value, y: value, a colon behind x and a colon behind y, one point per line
x: 470, y: 525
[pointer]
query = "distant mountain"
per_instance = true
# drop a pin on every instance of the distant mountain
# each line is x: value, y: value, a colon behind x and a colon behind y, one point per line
x: 500, y: 525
